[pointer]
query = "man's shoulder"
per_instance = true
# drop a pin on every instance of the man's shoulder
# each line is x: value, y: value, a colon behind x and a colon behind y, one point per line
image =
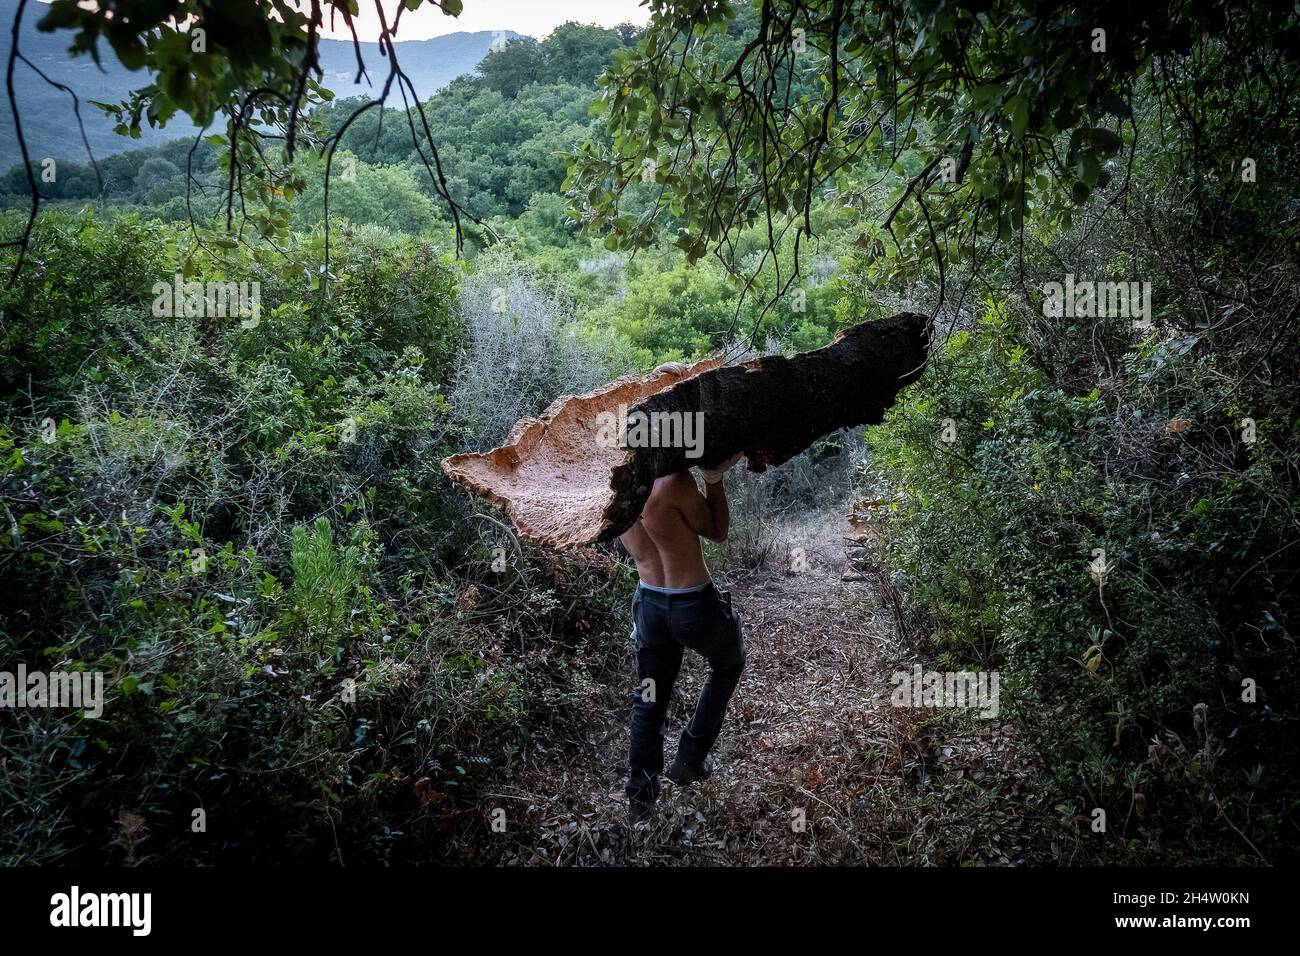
x: 672, y: 493
x: 681, y: 483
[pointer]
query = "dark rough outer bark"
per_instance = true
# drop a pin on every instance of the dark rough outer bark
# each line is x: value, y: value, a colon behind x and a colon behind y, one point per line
x: 563, y: 485
x: 774, y: 407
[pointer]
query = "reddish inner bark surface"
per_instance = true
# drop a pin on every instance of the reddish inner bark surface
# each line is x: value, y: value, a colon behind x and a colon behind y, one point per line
x: 552, y: 476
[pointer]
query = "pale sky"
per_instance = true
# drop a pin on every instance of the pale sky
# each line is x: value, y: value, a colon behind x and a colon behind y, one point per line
x: 533, y: 17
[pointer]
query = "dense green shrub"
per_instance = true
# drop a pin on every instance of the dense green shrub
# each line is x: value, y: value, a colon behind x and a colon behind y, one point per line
x: 243, y: 525
x: 998, y: 484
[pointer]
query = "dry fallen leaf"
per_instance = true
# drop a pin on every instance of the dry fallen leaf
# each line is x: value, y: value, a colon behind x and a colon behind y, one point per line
x: 468, y: 599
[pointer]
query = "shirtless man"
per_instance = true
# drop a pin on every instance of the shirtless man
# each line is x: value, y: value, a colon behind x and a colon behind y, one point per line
x: 677, y: 606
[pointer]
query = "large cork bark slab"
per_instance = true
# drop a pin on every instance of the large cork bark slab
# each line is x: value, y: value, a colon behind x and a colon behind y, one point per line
x: 563, y: 483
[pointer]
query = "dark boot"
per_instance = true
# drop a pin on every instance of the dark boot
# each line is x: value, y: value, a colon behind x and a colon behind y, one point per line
x: 684, y: 774
x: 641, y: 803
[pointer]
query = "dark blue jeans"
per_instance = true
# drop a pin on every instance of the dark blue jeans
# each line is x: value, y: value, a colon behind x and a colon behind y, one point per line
x: 663, y: 626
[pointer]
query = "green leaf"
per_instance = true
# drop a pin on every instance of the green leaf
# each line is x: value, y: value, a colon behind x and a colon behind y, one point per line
x: 1018, y: 110
x: 1106, y: 140
x: 1115, y: 105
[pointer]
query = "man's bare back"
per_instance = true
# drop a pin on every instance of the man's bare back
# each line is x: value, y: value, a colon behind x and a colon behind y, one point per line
x: 665, y: 541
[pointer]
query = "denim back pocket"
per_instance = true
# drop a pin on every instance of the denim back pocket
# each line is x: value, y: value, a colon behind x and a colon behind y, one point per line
x: 727, y: 643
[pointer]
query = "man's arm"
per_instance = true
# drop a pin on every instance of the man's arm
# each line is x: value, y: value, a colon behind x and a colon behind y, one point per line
x: 700, y: 512
x: 708, y: 515
x: 715, y: 496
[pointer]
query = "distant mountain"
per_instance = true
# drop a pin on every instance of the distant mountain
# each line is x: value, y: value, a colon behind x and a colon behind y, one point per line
x: 51, y: 128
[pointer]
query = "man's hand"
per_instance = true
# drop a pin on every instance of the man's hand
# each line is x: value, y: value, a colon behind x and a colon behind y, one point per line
x: 714, y: 475
x: 676, y: 368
